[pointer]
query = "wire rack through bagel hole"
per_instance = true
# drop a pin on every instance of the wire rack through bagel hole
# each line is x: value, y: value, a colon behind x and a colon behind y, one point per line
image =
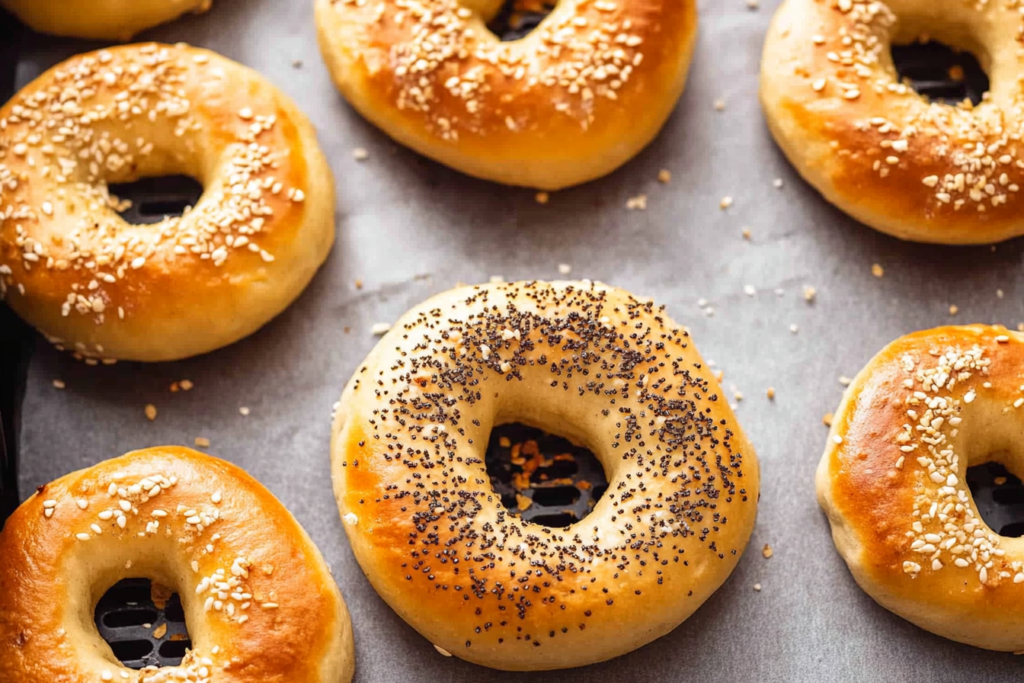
x: 541, y: 477
x: 143, y: 623
x: 999, y: 497
x: 517, y: 18
x: 150, y: 200
x: 941, y: 73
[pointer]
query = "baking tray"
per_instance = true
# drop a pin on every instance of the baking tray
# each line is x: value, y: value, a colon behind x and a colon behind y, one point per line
x: 408, y: 228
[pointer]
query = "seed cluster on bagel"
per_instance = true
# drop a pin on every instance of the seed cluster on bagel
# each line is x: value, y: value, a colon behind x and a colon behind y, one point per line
x: 572, y: 101
x: 893, y: 481
x: 259, y: 599
x: 592, y: 363
x: 71, y: 266
x: 913, y: 168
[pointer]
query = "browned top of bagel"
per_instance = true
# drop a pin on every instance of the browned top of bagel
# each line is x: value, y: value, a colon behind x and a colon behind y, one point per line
x: 65, y: 546
x: 574, y: 98
x: 893, y: 481
x: 590, y: 362
x: 916, y: 169
x: 75, y: 269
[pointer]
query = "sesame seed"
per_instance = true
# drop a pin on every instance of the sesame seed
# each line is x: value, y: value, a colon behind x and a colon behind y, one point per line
x: 379, y: 329
x: 244, y: 411
x: 360, y: 154
x: 58, y: 384
x: 150, y: 412
x: 637, y: 203
x: 83, y: 537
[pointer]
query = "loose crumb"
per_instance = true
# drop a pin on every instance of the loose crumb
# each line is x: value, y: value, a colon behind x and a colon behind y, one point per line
x: 296, y: 63
x: 379, y: 329
x: 186, y: 385
x: 767, y: 551
x: 827, y: 419
x: 505, y: 442
x: 753, y: 5
x: 725, y: 203
x: 58, y: 384
x: 150, y: 412
x: 244, y: 411
x: 360, y: 154
x: 664, y: 176
x: 564, y: 268
x: 719, y: 104
x: 953, y: 309
x: 999, y: 481
x: 202, y: 442
x: 877, y: 270
x: 999, y: 293
x: 809, y: 293
x: 747, y: 234
x: 844, y: 380
x: 359, y: 284
x: 771, y: 393
x: 638, y: 202
x: 160, y: 631
x: 757, y: 587
x: 542, y: 197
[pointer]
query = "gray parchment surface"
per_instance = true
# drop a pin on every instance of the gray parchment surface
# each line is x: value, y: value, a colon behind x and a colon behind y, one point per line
x: 409, y: 228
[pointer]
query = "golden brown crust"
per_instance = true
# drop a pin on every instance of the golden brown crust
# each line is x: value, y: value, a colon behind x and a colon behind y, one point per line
x: 100, y: 19
x: 874, y: 147
x: 572, y: 101
x: 893, y: 481
x: 282, y: 619
x: 70, y: 264
x: 592, y: 363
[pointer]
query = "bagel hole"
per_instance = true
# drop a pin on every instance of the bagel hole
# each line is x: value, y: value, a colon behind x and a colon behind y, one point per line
x: 151, y: 200
x: 999, y: 496
x: 518, y: 18
x: 543, y: 478
x: 144, y: 624
x: 941, y: 73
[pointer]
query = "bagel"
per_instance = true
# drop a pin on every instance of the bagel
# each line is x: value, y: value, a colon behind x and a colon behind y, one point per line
x: 893, y: 482
x: 875, y: 148
x: 572, y: 101
x: 592, y: 363
x: 73, y: 268
x: 258, y: 598
x: 100, y: 19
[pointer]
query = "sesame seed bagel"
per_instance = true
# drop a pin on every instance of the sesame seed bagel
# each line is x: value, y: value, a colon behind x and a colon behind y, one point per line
x: 875, y: 148
x: 259, y: 600
x: 572, y: 101
x: 595, y: 364
x: 74, y: 268
x: 100, y: 19
x: 893, y: 481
